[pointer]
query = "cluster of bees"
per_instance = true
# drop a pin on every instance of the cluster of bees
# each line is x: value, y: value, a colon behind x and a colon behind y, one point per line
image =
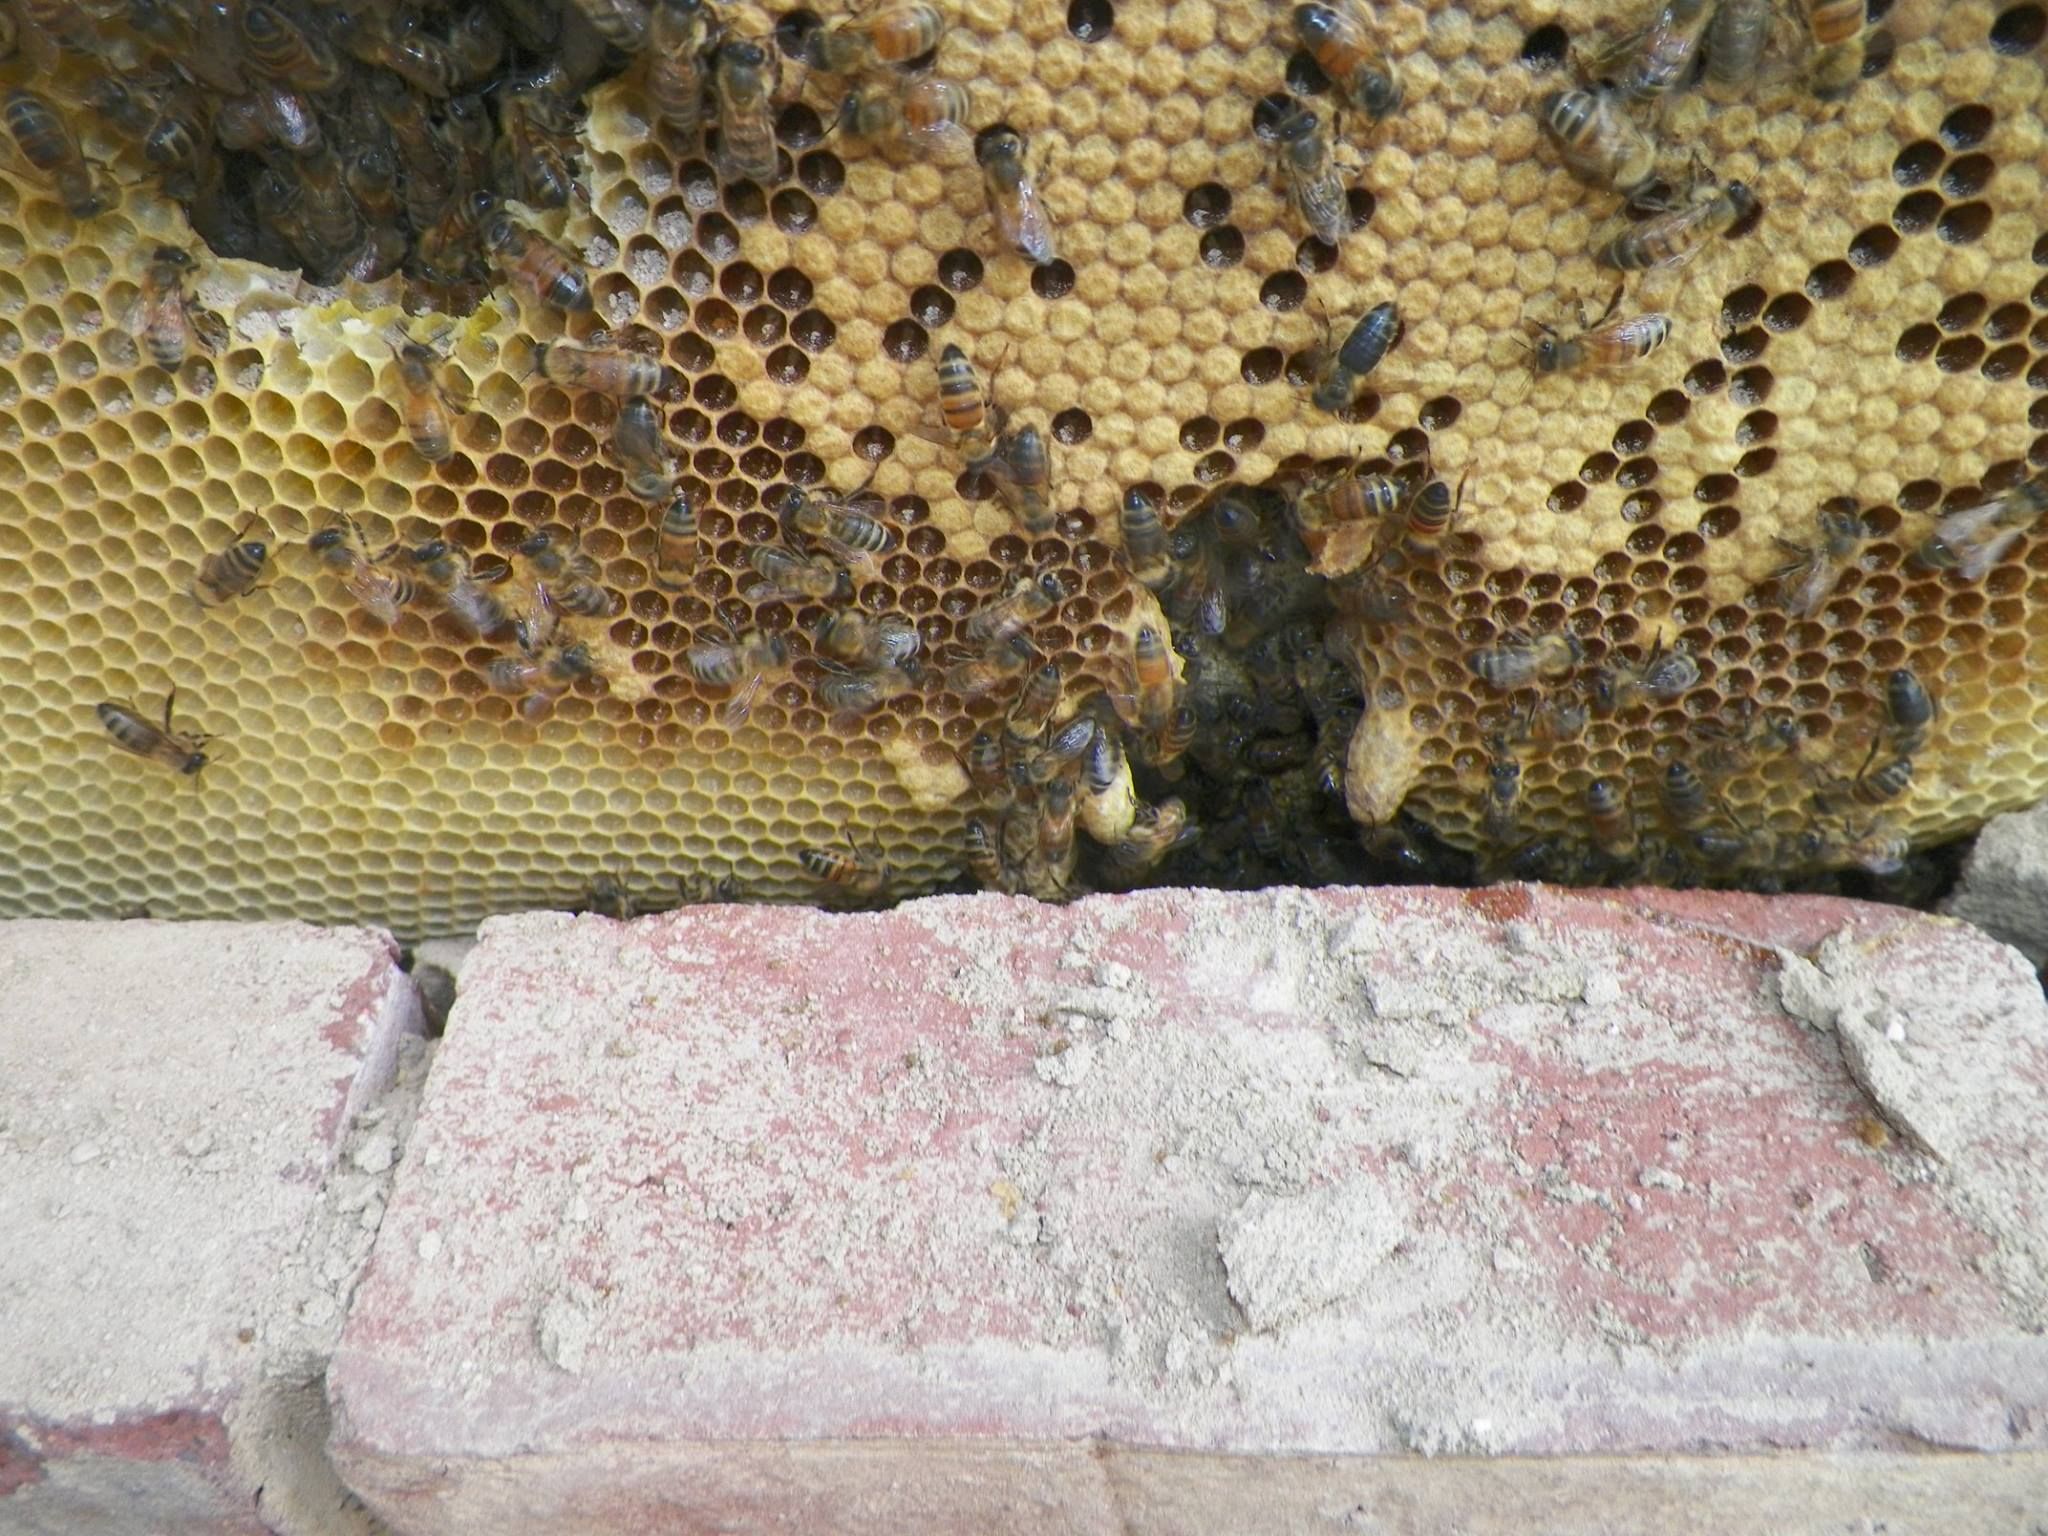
x: 365, y: 140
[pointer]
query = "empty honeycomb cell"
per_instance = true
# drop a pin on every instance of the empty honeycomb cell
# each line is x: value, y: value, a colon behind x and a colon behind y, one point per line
x: 1966, y: 126
x: 1917, y: 342
x: 1959, y: 354
x: 1751, y: 386
x: 1964, y: 223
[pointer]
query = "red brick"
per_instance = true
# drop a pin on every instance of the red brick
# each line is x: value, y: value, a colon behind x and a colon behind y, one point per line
x: 175, y: 1097
x: 963, y: 1216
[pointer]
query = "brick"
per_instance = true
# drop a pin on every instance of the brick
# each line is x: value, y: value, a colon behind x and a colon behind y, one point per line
x: 1170, y: 1211
x: 175, y: 1098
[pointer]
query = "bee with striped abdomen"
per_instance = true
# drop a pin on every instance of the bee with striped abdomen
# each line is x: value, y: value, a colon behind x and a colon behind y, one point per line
x: 230, y: 573
x: 743, y: 85
x: 1340, y: 39
x: 170, y: 319
x: 1608, y: 343
x: 181, y: 751
x: 1013, y: 201
x: 1673, y: 238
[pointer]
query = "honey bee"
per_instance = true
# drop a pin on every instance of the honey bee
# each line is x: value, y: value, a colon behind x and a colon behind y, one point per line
x: 1155, y: 831
x: 983, y: 761
x: 542, y: 678
x: 541, y: 270
x: 1607, y: 810
x: 1022, y: 471
x: 1035, y: 705
x: 1804, y: 583
x: 48, y: 143
x: 1673, y: 238
x: 1503, y: 790
x: 1009, y: 616
x: 1663, y: 676
x: 448, y: 568
x: 966, y: 408
x: 1165, y: 747
x: 372, y: 178
x: 984, y: 856
x: 574, y: 576
x: 170, y: 320
x: 929, y: 112
x: 230, y: 573
x: 1152, y: 678
x: 742, y: 81
x: 1604, y: 345
x: 1368, y: 342
x: 1518, y: 660
x: 425, y: 400
x: 835, y: 526
x: 676, y: 547
x: 175, y: 749
x: 381, y: 590
x: 1908, y: 710
x: 1660, y: 58
x: 1109, y: 798
x: 1598, y: 142
x: 622, y: 23
x: 1971, y: 541
x: 1013, y: 202
x: 618, y: 374
x: 854, y: 638
x: 788, y: 578
x: 1056, y: 807
x: 1867, y: 788
x: 1685, y: 796
x: 741, y: 664
x: 1314, y: 184
x: 530, y: 157
x: 680, y: 34
x: 1145, y: 545
x: 275, y: 46
x: 892, y: 36
x: 1553, y: 722
x: 1063, y: 753
x: 1736, y: 41
x: 1340, y: 40
x: 1000, y: 664
x: 857, y: 693
x: 1431, y: 511
x: 641, y: 447
x: 1837, y: 29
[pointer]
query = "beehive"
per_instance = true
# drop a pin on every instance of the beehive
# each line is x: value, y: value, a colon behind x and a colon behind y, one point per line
x: 1881, y: 334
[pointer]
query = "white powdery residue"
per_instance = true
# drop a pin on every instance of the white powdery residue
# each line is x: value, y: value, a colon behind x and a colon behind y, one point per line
x: 1065, y: 1068
x: 564, y: 1328
x: 1289, y: 1256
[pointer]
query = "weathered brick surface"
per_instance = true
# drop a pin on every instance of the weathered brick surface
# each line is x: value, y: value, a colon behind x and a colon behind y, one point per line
x: 979, y: 1215
x: 171, y: 1099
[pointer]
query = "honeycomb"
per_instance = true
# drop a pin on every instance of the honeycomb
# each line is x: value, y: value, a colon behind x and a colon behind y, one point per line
x: 1876, y: 338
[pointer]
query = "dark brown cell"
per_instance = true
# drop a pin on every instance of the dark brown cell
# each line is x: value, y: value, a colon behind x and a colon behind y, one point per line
x: 1756, y: 427
x: 1917, y: 342
x: 1313, y: 255
x: 1546, y: 47
x: 821, y: 173
x: 1221, y: 247
x: 1072, y: 426
x: 2018, y: 29
x: 1742, y: 306
x: 1964, y: 224
x: 931, y: 307
x: 1787, y: 312
x: 1829, y: 280
x: 960, y: 270
x: 763, y: 326
x: 1959, y: 354
x: 905, y: 341
x: 793, y: 211
x: 813, y: 330
x: 1965, y: 127
x: 1917, y: 162
x: 1633, y: 437
x: 1752, y: 386
x: 1703, y: 378
x: 717, y: 238
x: 1207, y: 205
x: 1874, y: 246
x: 1667, y: 408
x: 1599, y: 468
x: 1261, y: 365
x: 1284, y: 291
x: 1053, y: 280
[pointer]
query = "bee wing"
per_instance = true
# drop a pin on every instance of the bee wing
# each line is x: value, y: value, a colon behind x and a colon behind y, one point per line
x: 737, y: 707
x: 211, y: 330
x: 1033, y: 234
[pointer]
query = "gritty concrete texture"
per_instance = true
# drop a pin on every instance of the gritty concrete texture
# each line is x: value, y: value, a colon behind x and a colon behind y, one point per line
x: 178, y: 1110
x: 2004, y: 883
x: 981, y: 1215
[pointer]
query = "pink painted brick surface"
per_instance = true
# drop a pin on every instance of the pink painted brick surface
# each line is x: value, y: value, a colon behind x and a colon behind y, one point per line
x: 727, y: 1213
x: 171, y: 1098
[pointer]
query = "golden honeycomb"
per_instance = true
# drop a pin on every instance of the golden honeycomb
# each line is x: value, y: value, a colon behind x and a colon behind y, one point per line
x: 1878, y: 336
